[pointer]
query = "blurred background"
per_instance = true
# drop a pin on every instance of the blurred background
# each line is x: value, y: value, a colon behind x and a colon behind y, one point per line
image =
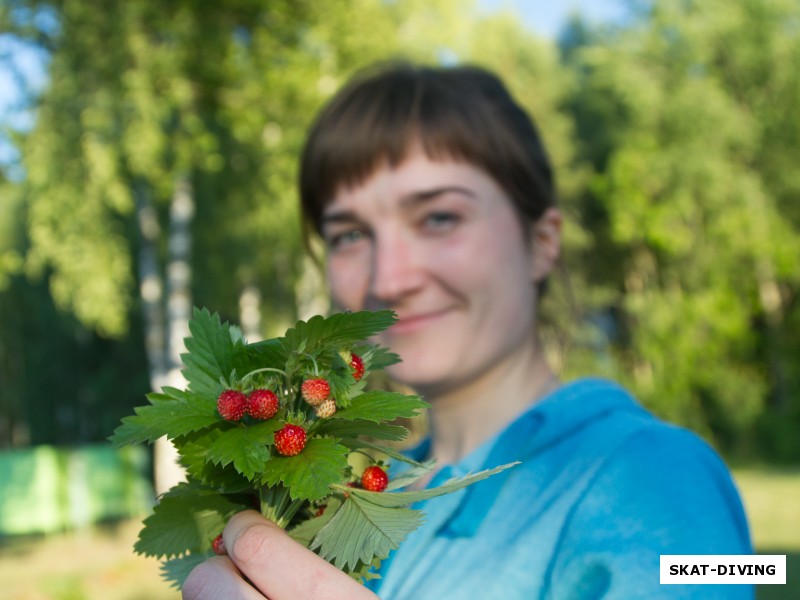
x: 148, y: 154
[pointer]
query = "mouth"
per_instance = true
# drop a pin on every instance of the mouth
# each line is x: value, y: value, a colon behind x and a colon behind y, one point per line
x: 414, y: 322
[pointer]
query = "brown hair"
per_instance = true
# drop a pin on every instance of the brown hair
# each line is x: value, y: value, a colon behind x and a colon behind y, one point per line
x: 463, y: 113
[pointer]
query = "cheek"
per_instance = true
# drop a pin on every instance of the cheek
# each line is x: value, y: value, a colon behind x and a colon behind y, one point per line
x: 492, y: 260
x: 347, y: 281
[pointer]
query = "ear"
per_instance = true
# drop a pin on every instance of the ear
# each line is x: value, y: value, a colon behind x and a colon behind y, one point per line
x: 545, y: 238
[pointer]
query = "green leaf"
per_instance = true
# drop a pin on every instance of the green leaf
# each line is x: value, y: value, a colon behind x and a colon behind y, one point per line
x: 343, y: 329
x: 340, y: 428
x: 267, y: 353
x: 186, y: 519
x: 172, y: 413
x: 310, y: 474
x: 411, y: 475
x: 398, y: 499
x: 380, y: 358
x: 371, y: 524
x: 245, y: 446
x: 361, y: 530
x: 305, y: 532
x: 176, y: 570
x: 390, y: 452
x: 193, y: 450
x: 210, y: 353
x: 378, y: 406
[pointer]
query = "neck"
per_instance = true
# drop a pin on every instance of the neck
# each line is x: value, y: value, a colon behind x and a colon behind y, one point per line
x: 465, y: 417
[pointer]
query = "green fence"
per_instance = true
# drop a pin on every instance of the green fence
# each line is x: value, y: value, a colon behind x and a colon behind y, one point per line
x: 46, y: 489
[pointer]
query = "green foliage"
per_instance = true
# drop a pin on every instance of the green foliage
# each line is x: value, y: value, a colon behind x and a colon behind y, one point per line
x: 231, y: 465
x: 674, y: 138
x: 308, y: 475
x: 185, y: 517
x: 687, y: 209
x: 371, y: 524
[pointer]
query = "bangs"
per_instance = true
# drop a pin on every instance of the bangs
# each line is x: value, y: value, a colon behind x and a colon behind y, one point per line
x: 377, y: 119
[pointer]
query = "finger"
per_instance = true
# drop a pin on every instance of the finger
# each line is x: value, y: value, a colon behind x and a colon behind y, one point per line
x: 217, y: 578
x: 282, y: 568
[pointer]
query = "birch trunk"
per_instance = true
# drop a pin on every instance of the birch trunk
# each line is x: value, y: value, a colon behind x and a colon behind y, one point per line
x: 151, y: 286
x: 311, y: 292
x: 250, y: 313
x: 168, y: 472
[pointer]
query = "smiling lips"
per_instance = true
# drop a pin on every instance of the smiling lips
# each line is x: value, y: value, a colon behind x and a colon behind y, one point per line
x: 413, y: 323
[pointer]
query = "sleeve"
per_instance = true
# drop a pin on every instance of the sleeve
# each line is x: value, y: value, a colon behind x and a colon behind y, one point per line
x: 664, y: 491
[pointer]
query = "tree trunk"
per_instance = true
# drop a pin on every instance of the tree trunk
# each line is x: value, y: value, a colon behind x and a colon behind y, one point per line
x: 168, y: 472
x: 250, y: 313
x: 772, y: 305
x: 310, y: 291
x: 151, y: 286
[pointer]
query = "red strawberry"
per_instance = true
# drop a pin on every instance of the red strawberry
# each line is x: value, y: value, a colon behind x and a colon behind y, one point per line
x: 262, y: 404
x: 315, y: 391
x: 357, y: 364
x: 219, y: 545
x: 326, y: 409
x: 374, y: 479
x: 290, y: 440
x: 232, y: 405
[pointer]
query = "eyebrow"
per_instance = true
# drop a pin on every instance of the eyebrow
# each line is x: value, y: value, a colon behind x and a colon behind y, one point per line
x: 408, y: 201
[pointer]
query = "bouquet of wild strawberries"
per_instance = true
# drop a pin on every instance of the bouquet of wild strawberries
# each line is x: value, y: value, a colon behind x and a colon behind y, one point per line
x: 276, y: 425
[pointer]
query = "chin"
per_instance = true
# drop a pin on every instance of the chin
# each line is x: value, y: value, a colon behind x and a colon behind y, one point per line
x: 421, y: 380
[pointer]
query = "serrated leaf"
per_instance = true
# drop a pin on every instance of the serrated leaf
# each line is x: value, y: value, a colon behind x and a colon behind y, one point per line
x: 173, y: 413
x: 210, y: 353
x: 193, y: 450
x: 380, y: 358
x: 267, y: 352
x: 244, y: 446
x: 186, y: 519
x: 399, y: 499
x: 310, y: 474
x: 344, y: 329
x: 361, y: 530
x: 237, y: 335
x: 305, y: 532
x: 378, y: 406
x: 340, y: 428
x: 411, y: 475
x: 176, y: 570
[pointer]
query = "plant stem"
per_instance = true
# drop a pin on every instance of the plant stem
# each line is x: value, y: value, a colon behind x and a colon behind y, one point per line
x: 290, y: 512
x: 277, y: 506
x: 314, y: 362
x: 264, y: 369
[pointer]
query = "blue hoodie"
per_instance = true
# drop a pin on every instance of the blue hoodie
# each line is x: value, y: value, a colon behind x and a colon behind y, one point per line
x: 603, y: 490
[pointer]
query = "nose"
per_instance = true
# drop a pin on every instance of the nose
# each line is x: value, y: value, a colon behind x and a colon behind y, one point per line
x: 396, y: 270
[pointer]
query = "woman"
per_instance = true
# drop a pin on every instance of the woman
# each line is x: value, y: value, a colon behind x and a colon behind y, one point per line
x: 435, y: 199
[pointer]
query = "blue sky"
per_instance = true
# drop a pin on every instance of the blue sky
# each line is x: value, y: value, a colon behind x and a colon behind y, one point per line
x: 547, y: 17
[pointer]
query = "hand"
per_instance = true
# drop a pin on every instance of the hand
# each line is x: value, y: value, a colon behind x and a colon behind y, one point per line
x: 277, y: 567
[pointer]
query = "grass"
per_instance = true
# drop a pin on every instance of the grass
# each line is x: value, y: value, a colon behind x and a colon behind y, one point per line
x: 772, y: 500
x: 99, y: 564
x: 84, y: 565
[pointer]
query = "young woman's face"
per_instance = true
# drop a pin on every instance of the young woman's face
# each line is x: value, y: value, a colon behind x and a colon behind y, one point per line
x: 440, y: 243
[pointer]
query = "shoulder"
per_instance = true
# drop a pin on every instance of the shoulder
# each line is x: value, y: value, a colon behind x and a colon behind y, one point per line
x: 658, y: 489
x: 662, y: 484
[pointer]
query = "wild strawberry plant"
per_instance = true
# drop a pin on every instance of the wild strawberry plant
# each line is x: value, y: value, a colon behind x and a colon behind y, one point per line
x: 273, y: 425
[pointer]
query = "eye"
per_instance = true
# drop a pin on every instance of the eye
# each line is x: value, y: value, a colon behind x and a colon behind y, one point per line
x: 440, y: 221
x: 344, y: 239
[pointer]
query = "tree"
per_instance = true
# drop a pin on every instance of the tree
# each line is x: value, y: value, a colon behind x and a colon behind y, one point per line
x: 681, y: 113
x: 166, y: 143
